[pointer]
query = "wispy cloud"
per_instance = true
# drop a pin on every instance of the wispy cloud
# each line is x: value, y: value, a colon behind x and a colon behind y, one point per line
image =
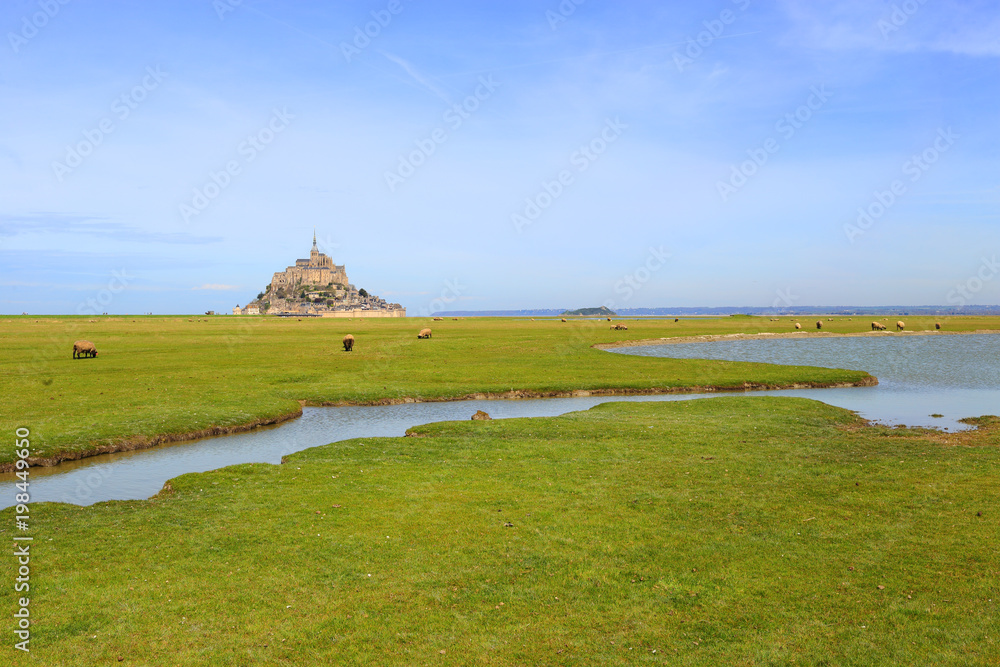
x: 417, y: 76
x: 66, y: 223
x: 947, y: 27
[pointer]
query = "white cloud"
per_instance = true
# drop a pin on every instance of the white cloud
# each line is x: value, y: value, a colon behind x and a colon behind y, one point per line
x: 916, y: 25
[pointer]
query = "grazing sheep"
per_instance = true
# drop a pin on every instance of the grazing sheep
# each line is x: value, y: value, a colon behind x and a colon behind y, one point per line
x: 875, y: 326
x: 609, y: 319
x: 819, y: 324
x: 677, y: 319
x: 937, y: 325
x: 798, y: 326
x: 84, y: 348
x: 424, y: 333
x: 481, y: 415
x: 619, y: 327
x: 348, y: 343
x: 900, y: 325
x: 438, y: 319
x: 563, y: 319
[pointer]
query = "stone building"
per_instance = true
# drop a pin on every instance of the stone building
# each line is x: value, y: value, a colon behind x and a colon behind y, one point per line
x: 319, y: 288
x: 319, y: 270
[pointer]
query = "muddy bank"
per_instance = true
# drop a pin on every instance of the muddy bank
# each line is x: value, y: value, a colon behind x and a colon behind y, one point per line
x: 136, y: 443
x: 868, y: 381
x: 791, y: 334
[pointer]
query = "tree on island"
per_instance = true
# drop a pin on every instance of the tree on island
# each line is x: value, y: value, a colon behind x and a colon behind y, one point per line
x: 362, y: 293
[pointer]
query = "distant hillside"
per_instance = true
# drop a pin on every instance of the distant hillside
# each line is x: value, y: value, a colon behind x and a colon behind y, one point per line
x: 603, y: 311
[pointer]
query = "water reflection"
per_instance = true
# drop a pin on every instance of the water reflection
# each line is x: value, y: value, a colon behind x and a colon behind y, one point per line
x: 956, y: 376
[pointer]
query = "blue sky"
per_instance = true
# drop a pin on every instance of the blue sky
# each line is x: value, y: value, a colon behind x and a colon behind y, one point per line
x: 169, y: 157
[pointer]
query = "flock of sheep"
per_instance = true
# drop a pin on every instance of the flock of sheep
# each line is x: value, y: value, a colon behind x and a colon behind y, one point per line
x: 876, y: 326
x: 84, y: 348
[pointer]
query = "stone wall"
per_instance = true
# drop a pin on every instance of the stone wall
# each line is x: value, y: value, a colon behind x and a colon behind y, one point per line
x: 366, y: 313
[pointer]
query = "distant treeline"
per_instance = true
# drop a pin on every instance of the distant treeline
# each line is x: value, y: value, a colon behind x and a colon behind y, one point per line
x: 736, y: 310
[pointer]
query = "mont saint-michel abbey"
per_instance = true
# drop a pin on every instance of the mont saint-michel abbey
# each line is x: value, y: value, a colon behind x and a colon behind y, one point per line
x: 316, y: 287
x: 319, y: 269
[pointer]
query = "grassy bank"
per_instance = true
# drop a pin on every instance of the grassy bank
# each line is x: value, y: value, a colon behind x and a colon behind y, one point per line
x: 169, y: 377
x: 736, y: 530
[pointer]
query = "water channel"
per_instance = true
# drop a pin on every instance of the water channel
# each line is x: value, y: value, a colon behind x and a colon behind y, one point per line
x: 954, y: 376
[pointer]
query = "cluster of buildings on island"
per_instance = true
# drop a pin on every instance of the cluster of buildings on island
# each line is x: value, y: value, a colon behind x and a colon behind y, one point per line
x: 316, y: 287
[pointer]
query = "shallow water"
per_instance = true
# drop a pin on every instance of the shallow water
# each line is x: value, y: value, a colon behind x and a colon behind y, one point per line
x: 957, y: 376
x: 953, y: 375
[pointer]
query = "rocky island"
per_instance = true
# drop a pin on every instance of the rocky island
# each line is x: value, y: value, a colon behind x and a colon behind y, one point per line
x: 316, y: 287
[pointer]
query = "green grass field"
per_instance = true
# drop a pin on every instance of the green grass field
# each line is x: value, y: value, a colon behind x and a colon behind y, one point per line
x: 747, y: 530
x: 170, y: 376
x: 741, y: 530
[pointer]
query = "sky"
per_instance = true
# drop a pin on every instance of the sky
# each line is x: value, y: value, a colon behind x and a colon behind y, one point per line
x: 170, y: 157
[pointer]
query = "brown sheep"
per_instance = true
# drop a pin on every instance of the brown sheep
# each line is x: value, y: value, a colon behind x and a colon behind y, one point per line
x: 84, y: 348
x: 439, y: 319
x: 619, y: 327
x: 677, y: 319
x: 609, y: 319
x: 875, y: 326
x: 563, y: 319
x: 819, y: 324
x: 900, y: 325
x: 937, y: 325
x: 798, y: 326
x: 424, y: 333
x: 348, y: 343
